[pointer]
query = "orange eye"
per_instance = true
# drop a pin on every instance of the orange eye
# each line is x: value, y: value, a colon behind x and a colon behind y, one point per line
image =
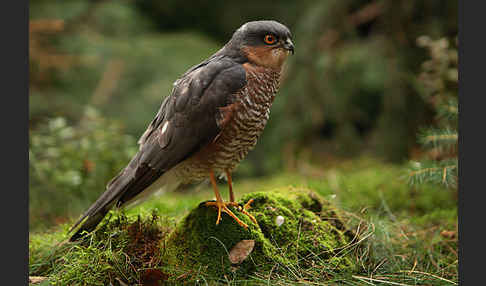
x: 270, y: 39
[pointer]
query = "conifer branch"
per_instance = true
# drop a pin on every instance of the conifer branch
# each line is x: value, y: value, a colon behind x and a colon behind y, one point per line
x: 437, y: 72
x: 438, y: 137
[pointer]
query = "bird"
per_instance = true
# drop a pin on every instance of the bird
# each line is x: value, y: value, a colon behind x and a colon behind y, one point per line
x: 208, y: 123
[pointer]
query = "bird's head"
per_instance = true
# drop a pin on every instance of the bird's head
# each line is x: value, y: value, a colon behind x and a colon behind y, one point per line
x: 264, y: 43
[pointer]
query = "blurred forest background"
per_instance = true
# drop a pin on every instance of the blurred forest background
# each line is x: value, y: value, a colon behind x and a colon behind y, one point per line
x: 100, y: 69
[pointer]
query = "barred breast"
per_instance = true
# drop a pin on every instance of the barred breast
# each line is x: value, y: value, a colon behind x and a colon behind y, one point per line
x: 246, y: 119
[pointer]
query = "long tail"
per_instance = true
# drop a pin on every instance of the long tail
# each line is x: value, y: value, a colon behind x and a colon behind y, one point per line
x: 97, y: 211
x: 123, y: 190
x: 89, y: 224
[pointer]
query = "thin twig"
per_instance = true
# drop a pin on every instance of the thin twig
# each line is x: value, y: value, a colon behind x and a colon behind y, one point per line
x: 378, y: 280
x: 429, y: 274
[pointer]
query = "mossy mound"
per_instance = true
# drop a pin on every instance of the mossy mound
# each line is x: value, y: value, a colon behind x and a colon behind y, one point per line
x: 310, y: 233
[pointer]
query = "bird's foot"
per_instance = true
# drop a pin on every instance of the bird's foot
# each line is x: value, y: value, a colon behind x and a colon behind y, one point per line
x: 244, y: 208
x: 223, y: 207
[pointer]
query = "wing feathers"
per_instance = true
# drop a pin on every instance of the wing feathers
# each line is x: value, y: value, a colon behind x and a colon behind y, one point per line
x: 185, y: 122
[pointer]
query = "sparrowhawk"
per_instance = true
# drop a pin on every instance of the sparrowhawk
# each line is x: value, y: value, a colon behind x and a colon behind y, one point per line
x: 206, y: 126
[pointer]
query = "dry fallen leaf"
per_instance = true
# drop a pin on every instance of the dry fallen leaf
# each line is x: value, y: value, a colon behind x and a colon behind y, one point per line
x: 241, y: 250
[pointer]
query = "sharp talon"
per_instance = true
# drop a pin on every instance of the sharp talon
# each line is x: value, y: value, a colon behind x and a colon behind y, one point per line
x: 250, y: 216
x: 222, y: 207
x: 219, y: 216
x: 244, y: 208
x: 247, y: 205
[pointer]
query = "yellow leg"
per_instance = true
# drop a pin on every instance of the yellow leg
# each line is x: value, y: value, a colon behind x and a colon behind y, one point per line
x: 230, y: 186
x: 221, y: 205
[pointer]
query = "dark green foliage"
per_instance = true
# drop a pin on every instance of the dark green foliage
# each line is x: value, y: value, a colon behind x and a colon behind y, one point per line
x: 69, y: 165
x: 349, y: 88
x: 220, y: 18
x: 439, y: 78
x: 108, y: 56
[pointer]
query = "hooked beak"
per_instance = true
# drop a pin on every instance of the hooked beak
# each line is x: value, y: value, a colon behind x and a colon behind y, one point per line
x: 288, y: 45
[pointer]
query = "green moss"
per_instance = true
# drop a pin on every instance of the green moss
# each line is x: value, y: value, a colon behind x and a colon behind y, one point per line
x: 122, y: 248
x: 312, y: 234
